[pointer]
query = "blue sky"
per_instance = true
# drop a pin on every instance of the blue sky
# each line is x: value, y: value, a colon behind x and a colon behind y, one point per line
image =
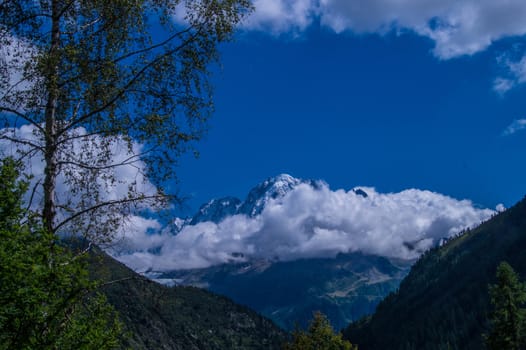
x: 408, y: 98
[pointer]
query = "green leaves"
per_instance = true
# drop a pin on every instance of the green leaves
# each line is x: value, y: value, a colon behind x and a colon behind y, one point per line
x: 47, y: 300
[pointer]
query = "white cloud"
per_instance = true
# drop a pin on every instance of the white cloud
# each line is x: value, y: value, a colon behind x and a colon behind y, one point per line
x: 515, y: 126
x: 279, y: 16
x: 457, y: 27
x: 136, y: 233
x: 311, y: 222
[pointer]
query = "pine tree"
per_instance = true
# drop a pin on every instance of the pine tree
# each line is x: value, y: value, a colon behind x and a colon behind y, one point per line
x: 508, y: 317
x: 319, y: 336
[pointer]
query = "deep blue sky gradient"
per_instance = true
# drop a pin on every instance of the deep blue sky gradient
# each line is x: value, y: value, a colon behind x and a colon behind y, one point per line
x: 352, y: 110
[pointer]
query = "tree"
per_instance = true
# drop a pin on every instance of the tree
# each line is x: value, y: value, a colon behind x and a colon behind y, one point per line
x: 95, y: 87
x: 46, y: 298
x: 508, y: 317
x: 319, y: 336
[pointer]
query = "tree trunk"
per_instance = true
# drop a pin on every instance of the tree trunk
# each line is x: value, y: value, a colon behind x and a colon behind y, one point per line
x: 50, y: 149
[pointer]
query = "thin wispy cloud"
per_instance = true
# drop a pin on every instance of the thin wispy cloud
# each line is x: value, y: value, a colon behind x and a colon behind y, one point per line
x: 516, y: 126
x: 514, y: 73
x: 502, y: 85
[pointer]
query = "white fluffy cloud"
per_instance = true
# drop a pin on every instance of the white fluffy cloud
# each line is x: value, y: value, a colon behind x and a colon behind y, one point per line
x: 311, y: 222
x: 279, y: 16
x: 457, y: 27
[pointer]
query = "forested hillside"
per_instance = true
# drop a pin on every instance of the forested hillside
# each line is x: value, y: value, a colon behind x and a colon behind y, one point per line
x: 443, y: 303
x: 186, y: 318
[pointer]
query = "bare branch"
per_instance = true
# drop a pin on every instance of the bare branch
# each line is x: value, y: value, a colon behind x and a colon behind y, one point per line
x: 130, y: 161
x: 155, y: 46
x: 33, y: 191
x: 130, y: 83
x: 105, y: 204
x: 23, y: 116
x: 22, y: 142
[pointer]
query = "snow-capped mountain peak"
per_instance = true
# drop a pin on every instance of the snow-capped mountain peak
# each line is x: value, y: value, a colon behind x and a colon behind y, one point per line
x: 271, y: 188
x: 217, y: 210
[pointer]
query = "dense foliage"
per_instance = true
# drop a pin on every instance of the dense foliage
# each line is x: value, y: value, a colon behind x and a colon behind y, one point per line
x: 444, y: 302
x: 319, y: 336
x: 46, y: 297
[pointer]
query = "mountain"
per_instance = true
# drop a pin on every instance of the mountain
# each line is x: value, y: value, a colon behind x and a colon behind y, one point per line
x: 186, y: 318
x: 293, y: 246
x: 288, y: 292
x: 443, y: 303
x: 272, y: 188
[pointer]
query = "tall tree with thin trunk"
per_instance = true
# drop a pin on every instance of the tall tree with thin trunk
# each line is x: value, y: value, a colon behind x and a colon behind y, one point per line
x: 97, y: 88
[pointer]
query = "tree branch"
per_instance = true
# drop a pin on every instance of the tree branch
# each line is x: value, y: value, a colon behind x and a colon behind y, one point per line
x: 134, y: 78
x: 102, y: 205
x: 23, y: 116
x: 22, y: 142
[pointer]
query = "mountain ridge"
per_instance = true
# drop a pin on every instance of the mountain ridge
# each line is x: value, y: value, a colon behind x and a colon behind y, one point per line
x: 179, y: 318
